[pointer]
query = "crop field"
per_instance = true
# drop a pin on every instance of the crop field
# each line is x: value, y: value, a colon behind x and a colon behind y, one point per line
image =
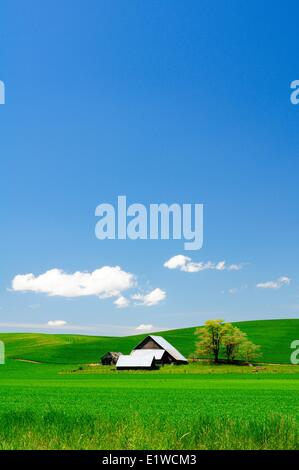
x: 49, y: 407
x: 70, y: 405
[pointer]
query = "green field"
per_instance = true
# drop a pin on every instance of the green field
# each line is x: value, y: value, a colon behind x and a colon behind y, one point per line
x: 63, y: 404
x: 274, y: 336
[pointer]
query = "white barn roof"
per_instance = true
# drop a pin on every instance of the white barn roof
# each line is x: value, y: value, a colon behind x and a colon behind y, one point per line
x: 168, y: 347
x: 136, y: 360
x: 158, y: 353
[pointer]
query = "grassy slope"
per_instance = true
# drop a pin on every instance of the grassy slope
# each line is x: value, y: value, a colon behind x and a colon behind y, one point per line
x: 274, y: 336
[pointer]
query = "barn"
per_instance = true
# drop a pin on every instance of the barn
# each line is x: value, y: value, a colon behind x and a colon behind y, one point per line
x: 160, y: 355
x: 134, y: 362
x: 151, y: 352
x: 153, y: 343
x: 110, y: 358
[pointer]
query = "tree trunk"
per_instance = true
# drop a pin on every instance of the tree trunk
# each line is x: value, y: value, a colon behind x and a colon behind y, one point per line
x: 216, y: 359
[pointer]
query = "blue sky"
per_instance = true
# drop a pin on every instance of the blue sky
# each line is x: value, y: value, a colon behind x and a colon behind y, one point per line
x: 161, y: 101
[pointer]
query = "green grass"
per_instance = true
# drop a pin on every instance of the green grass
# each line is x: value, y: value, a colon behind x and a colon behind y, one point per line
x: 62, y: 403
x: 205, y: 368
x: 274, y: 336
x: 209, y: 407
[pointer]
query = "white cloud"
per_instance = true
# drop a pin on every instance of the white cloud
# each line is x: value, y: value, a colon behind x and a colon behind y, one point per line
x: 277, y: 284
x: 122, y: 302
x: 233, y: 290
x: 184, y: 263
x: 143, y: 327
x: 152, y: 298
x: 177, y: 262
x: 56, y: 323
x: 233, y: 267
x: 105, y: 282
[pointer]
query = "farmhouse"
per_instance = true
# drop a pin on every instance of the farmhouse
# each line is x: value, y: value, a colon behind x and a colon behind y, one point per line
x: 151, y: 352
x: 110, y: 358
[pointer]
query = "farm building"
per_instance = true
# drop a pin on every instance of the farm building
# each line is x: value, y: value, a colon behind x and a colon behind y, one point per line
x: 157, y: 343
x: 144, y: 361
x: 160, y: 355
x: 150, y: 353
x: 110, y: 358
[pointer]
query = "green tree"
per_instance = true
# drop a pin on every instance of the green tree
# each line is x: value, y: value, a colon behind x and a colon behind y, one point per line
x: 249, y: 351
x: 210, y: 339
x: 217, y: 338
x: 232, y: 340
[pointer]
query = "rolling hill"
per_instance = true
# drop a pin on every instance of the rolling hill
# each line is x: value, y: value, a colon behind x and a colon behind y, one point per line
x: 274, y: 336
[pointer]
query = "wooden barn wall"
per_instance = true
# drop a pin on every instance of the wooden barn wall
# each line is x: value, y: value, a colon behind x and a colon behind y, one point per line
x: 149, y: 344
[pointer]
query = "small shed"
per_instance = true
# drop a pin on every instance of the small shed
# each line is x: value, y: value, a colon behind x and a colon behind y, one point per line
x: 134, y: 362
x: 154, y: 343
x: 110, y: 358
